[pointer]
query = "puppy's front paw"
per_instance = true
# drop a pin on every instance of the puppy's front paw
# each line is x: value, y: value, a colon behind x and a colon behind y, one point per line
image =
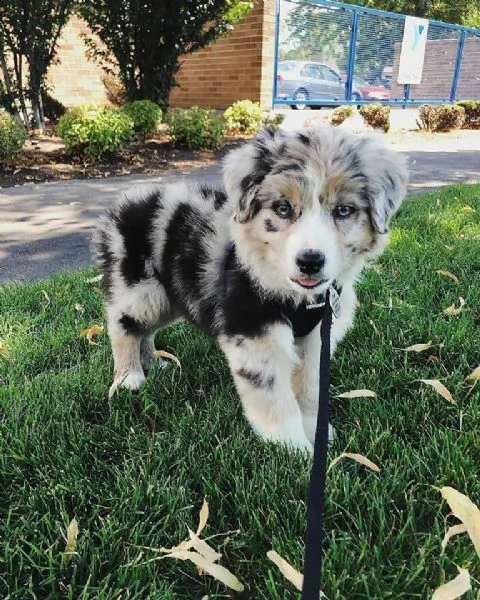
x: 132, y: 381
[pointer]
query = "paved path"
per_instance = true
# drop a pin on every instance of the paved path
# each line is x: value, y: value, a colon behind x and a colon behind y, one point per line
x: 46, y: 228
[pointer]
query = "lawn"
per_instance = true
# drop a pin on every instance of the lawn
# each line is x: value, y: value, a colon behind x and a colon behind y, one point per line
x: 134, y: 470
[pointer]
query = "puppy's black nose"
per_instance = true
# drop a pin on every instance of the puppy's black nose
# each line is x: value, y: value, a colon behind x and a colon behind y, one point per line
x: 310, y: 262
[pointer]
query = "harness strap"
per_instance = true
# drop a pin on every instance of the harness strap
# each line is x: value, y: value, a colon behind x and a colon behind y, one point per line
x: 312, y: 566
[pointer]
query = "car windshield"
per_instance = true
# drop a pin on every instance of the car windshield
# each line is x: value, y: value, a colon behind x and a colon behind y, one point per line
x: 285, y: 66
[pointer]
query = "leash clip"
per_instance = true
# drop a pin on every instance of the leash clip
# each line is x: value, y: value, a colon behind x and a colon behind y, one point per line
x: 334, y: 301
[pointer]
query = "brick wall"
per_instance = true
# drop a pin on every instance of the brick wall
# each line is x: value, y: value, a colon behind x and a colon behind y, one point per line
x: 236, y: 67
x: 438, y: 70
x: 75, y: 79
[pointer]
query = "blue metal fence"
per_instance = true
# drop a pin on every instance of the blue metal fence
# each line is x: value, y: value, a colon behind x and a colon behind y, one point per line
x: 329, y: 53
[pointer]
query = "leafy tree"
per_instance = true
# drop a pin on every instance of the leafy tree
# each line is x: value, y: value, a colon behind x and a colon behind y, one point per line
x: 29, y: 32
x: 144, y: 40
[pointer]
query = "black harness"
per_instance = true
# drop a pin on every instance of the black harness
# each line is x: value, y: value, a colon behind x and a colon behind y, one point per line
x: 305, y: 317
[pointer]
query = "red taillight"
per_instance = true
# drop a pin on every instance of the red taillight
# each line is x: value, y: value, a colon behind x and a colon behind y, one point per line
x: 279, y: 78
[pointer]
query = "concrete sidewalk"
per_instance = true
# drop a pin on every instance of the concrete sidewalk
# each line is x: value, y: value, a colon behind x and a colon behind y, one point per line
x: 46, y: 228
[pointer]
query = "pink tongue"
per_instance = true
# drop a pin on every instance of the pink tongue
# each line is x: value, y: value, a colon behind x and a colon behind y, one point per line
x: 307, y: 282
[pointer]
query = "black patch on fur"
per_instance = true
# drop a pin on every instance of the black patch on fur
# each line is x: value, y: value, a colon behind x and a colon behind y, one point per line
x: 106, y: 260
x: 131, y: 325
x: 270, y: 226
x: 134, y: 221
x: 256, y: 379
x: 213, y: 194
x: 306, y: 141
x: 220, y: 199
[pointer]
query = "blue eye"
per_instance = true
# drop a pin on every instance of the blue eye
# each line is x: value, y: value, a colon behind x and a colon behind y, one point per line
x: 343, y: 211
x: 283, y: 209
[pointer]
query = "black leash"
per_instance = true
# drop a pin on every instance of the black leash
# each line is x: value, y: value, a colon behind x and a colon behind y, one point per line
x: 312, y: 565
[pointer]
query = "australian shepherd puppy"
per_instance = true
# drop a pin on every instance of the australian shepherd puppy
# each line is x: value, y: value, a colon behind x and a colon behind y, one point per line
x: 300, y: 213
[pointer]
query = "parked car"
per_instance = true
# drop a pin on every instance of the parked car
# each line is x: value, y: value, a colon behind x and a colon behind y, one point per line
x: 301, y: 81
x: 370, y: 91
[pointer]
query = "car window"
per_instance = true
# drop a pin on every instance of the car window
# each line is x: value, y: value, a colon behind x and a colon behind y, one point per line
x: 329, y: 75
x: 285, y: 66
x: 309, y: 71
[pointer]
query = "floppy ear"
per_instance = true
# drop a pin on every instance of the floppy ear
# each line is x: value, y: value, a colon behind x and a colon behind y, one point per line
x: 245, y: 168
x: 387, y: 177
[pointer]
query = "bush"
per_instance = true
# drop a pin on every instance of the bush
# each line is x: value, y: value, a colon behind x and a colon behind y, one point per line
x: 145, y: 114
x: 273, y: 119
x: 340, y: 114
x: 376, y: 115
x: 12, y: 136
x: 95, y: 130
x: 440, y: 117
x: 196, y: 128
x: 53, y: 109
x: 243, y: 117
x: 472, y: 113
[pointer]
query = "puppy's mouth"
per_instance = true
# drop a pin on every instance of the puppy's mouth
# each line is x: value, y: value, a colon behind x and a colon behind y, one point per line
x: 309, y: 282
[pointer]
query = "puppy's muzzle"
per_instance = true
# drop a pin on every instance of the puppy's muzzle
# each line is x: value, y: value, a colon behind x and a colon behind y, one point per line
x: 310, y: 262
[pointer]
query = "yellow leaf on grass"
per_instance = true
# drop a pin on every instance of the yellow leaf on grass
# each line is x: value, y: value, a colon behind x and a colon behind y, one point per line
x: 94, y: 279
x: 448, y: 274
x: 72, y: 534
x: 92, y: 331
x: 454, y: 530
x: 452, y: 311
x: 47, y: 298
x: 418, y: 347
x: 357, y: 394
x: 474, y: 375
x: 440, y: 389
x: 203, y: 517
x: 455, y: 588
x: 203, y: 548
x: 163, y: 354
x: 217, y: 571
x: 466, y: 511
x: 363, y: 460
x: 79, y: 307
x: 286, y: 569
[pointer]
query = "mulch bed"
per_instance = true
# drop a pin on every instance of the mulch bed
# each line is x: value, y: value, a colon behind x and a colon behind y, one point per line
x: 45, y: 159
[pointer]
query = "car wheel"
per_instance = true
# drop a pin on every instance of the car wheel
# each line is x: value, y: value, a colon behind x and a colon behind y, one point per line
x: 300, y: 97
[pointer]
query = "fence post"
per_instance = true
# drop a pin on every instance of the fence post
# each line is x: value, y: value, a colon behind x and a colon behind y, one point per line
x: 351, y: 56
x: 458, y: 64
x: 276, y: 52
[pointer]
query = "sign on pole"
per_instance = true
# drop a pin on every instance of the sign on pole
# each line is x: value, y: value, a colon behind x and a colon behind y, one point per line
x: 412, y: 54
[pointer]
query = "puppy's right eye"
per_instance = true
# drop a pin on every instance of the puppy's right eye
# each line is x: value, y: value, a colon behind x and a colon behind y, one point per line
x: 283, y: 209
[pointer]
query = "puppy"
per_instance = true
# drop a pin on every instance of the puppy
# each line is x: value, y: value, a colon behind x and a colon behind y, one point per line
x: 301, y: 212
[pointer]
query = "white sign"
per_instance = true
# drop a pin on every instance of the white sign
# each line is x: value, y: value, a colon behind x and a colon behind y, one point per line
x: 413, y: 50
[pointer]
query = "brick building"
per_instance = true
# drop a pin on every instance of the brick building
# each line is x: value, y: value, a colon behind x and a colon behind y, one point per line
x: 236, y: 67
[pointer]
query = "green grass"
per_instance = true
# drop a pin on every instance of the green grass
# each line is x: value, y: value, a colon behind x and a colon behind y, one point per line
x: 134, y: 471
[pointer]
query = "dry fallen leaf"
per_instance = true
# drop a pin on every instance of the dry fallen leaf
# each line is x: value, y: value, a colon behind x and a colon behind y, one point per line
x: 94, y: 279
x: 72, y: 534
x: 418, y: 347
x: 217, y: 571
x: 448, y: 274
x: 466, y: 511
x: 203, y: 517
x: 357, y: 394
x: 203, y: 548
x: 286, y: 569
x: 454, y: 530
x: 89, y: 333
x: 440, y: 389
x: 451, y: 311
x: 163, y: 354
x: 47, y: 298
x: 455, y: 588
x: 474, y: 375
x: 363, y: 460
x: 79, y: 307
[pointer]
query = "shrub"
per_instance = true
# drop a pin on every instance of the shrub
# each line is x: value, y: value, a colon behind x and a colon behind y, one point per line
x: 114, y: 89
x: 145, y: 114
x: 440, y: 117
x: 196, y: 128
x: 376, y: 115
x: 273, y: 119
x: 472, y: 113
x: 243, y: 117
x: 12, y: 136
x: 340, y: 114
x: 53, y: 109
x: 95, y: 130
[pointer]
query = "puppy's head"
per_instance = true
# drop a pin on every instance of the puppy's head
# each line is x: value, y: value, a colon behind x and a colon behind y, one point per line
x: 312, y: 205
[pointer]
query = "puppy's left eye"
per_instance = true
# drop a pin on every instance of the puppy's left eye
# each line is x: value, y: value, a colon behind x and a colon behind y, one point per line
x: 343, y: 211
x: 283, y: 209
